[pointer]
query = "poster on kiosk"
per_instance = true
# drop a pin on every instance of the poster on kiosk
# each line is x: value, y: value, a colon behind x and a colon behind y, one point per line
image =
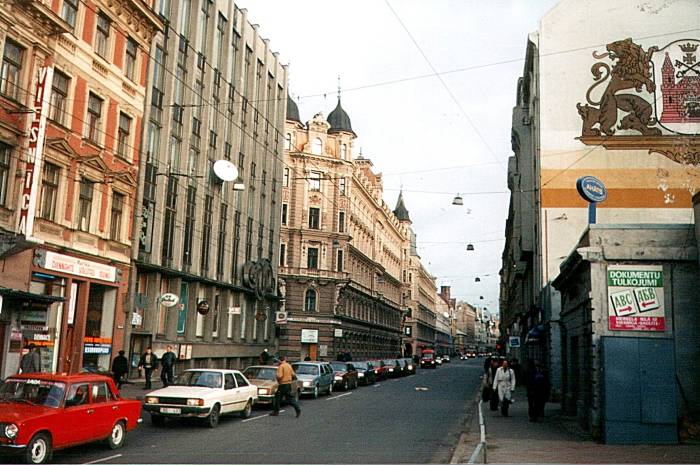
x: 636, y: 298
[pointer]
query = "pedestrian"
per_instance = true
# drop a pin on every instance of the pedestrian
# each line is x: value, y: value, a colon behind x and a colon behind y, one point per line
x: 285, y: 376
x: 149, y: 364
x: 31, y: 361
x: 538, y: 388
x: 307, y: 358
x: 504, y: 383
x: 264, y: 357
x: 167, y: 362
x: 491, y: 375
x: 120, y: 367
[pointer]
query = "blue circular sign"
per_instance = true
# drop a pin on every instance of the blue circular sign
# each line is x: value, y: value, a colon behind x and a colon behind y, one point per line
x: 591, y: 189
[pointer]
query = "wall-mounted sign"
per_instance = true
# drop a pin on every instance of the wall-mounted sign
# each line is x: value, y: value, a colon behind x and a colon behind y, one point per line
x: 309, y: 336
x: 73, y: 265
x: 37, y: 128
x: 97, y: 345
x: 514, y: 342
x: 168, y: 300
x: 185, y: 352
x: 338, y: 332
x: 407, y: 330
x: 281, y: 318
x: 259, y: 277
x: 136, y: 319
x: 636, y: 298
x: 203, y: 307
x: 234, y: 310
x: 591, y: 189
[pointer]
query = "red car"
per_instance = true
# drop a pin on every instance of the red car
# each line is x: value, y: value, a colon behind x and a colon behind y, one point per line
x: 44, y: 412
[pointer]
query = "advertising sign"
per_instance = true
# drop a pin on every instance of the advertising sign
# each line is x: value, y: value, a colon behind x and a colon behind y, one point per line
x: 636, y: 298
x: 97, y: 345
x: 309, y: 336
x: 514, y: 342
x: 281, y: 318
x: 77, y: 266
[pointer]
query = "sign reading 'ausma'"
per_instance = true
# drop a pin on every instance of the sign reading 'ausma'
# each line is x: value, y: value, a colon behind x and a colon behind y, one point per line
x: 636, y: 298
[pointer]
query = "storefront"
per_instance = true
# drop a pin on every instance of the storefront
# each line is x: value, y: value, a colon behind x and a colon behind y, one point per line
x: 64, y: 304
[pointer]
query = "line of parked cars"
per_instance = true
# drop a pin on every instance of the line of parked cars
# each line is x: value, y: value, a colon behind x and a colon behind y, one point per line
x: 42, y: 412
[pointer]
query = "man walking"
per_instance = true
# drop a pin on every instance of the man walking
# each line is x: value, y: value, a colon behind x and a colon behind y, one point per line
x: 149, y: 363
x: 285, y: 376
x: 504, y: 384
x: 167, y: 362
x: 31, y: 361
x: 538, y: 388
x: 120, y: 367
x: 264, y: 357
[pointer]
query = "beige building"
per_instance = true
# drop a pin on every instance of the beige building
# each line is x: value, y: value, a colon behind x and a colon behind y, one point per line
x: 341, y: 247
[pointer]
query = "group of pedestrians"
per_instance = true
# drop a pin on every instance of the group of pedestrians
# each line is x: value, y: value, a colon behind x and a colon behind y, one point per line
x: 148, y: 363
x: 499, y: 381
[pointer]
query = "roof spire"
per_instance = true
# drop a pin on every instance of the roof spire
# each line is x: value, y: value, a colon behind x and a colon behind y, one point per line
x: 339, y: 87
x: 400, y: 211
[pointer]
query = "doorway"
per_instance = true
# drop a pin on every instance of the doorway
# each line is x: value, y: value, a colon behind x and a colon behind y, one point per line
x: 138, y: 345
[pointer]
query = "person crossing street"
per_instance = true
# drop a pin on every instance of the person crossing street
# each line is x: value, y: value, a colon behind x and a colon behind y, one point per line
x: 285, y: 376
x: 167, y: 362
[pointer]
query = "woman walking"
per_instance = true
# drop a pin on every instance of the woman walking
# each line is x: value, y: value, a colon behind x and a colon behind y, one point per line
x: 504, y: 384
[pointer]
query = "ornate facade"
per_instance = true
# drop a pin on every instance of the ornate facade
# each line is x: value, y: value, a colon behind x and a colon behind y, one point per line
x: 342, y: 248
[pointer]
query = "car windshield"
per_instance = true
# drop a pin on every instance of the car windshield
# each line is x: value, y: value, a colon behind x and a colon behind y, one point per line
x: 428, y: 356
x: 360, y: 365
x: 305, y: 369
x: 33, y: 391
x: 339, y: 367
x: 260, y: 373
x: 210, y: 379
x: 390, y: 362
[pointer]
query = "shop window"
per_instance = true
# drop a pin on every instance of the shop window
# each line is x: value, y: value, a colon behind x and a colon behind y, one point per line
x: 98, y: 327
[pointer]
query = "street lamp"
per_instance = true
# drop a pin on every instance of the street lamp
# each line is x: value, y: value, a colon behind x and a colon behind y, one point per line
x: 477, y: 279
x: 470, y: 247
x: 457, y: 200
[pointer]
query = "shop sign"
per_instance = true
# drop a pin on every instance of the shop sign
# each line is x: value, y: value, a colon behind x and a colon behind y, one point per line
x: 636, y: 298
x: 42, y: 337
x: 37, y: 128
x: 281, y: 318
x: 97, y: 345
x: 337, y: 332
x: 182, y: 308
x: 136, y: 319
x: 591, y: 189
x: 76, y: 266
x: 168, y: 300
x: 31, y: 327
x: 203, y: 307
x: 38, y: 316
x: 259, y: 277
x: 514, y: 342
x: 234, y: 310
x: 309, y: 336
x: 323, y: 350
x: 311, y: 319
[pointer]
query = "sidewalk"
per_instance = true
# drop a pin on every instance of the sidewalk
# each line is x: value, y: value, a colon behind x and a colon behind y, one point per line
x: 557, y: 438
x: 135, y: 389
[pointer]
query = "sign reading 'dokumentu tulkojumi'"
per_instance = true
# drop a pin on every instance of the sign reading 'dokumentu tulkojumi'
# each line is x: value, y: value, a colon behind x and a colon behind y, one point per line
x: 636, y: 298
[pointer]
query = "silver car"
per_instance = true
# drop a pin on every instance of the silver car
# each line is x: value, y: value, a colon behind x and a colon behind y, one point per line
x: 316, y: 377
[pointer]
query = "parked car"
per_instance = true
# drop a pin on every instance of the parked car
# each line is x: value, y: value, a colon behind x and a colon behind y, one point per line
x: 344, y: 375
x: 445, y: 359
x: 471, y: 354
x: 203, y: 393
x: 316, y: 377
x: 365, y: 373
x: 381, y: 369
x: 427, y: 359
x: 44, y: 412
x: 264, y: 377
x: 438, y: 360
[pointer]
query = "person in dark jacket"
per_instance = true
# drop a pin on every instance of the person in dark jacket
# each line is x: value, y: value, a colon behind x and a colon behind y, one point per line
x: 538, y: 388
x: 490, y: 376
x: 31, y: 361
x: 167, y: 362
x: 120, y: 367
x: 149, y: 364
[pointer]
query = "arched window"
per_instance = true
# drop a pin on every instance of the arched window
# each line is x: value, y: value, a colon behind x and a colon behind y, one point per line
x: 316, y: 146
x: 288, y: 142
x: 343, y: 151
x: 310, y: 301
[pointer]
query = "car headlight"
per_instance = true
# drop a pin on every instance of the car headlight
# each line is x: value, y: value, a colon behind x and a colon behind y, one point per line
x: 410, y: 367
x: 391, y: 369
x: 195, y: 402
x: 338, y: 378
x: 263, y: 391
x: 307, y: 383
x: 11, y: 431
x: 151, y: 400
x: 360, y: 375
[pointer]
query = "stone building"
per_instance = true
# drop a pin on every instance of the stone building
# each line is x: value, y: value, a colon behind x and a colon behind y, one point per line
x: 466, y: 323
x: 74, y: 77
x: 341, y: 251
x: 421, y: 300
x: 206, y: 261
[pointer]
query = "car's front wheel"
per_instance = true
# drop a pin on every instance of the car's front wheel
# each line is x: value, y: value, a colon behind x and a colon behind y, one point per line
x: 330, y: 389
x: 346, y: 385
x: 118, y: 435
x: 315, y: 392
x: 213, y: 418
x: 39, y: 449
x: 245, y: 413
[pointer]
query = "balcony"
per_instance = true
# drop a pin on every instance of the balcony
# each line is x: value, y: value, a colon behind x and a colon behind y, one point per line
x: 41, y: 11
x: 314, y: 273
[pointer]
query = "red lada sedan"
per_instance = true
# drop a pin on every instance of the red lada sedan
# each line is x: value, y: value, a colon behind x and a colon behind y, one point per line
x: 43, y: 412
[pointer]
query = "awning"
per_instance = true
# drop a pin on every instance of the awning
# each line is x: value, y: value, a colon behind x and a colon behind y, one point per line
x: 24, y: 295
x: 535, y: 335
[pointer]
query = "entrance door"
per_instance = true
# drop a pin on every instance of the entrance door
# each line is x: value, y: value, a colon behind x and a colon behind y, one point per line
x: 139, y: 343
x: 313, y: 351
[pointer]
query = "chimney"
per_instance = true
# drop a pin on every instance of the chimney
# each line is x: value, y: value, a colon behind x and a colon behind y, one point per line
x: 445, y: 293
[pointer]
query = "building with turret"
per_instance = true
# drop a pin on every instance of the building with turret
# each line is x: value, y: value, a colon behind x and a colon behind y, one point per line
x: 342, y: 250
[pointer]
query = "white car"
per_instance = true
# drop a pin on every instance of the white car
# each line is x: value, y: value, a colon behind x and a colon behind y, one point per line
x: 204, y: 393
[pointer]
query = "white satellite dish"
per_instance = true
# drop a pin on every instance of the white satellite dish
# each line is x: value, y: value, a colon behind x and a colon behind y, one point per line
x: 225, y: 170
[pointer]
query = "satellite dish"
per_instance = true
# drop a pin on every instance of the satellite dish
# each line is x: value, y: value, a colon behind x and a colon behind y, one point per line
x: 225, y: 170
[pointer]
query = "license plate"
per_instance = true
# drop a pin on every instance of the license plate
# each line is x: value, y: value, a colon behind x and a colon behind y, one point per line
x: 174, y: 411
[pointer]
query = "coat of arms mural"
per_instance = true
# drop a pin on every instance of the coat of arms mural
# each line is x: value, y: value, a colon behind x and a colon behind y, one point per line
x: 645, y: 99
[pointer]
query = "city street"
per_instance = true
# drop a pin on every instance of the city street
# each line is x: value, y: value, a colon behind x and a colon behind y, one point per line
x: 388, y: 422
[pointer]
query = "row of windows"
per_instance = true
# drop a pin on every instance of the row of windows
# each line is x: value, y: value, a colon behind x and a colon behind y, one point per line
x: 50, y: 188
x: 312, y: 258
x: 314, y: 181
x: 316, y: 146
x: 314, y: 218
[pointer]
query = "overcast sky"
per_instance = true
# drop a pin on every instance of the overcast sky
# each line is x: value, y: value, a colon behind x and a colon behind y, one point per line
x: 435, y: 138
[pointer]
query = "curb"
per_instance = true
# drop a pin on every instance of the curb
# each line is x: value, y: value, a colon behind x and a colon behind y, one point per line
x: 462, y: 447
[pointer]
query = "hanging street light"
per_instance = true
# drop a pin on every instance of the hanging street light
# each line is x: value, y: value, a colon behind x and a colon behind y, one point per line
x: 458, y: 200
x: 477, y: 279
x: 470, y: 247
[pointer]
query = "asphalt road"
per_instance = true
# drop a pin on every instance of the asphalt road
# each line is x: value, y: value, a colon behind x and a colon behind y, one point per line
x: 390, y: 422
